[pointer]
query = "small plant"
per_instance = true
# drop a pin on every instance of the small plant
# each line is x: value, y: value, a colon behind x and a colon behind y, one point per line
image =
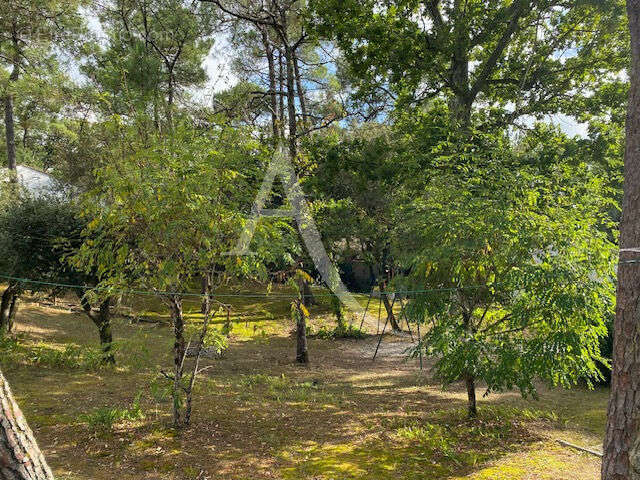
x: 340, y: 331
x: 71, y: 357
x: 102, y: 419
x: 282, y: 389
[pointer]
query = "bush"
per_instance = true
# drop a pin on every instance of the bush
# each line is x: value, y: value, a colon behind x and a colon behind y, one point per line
x: 341, y: 331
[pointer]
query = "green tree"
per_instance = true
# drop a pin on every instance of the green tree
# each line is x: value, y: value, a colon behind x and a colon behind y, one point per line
x: 28, y: 32
x: 154, y: 55
x: 517, y: 270
x: 353, y: 184
x: 505, y: 58
x: 163, y: 215
x: 37, y: 234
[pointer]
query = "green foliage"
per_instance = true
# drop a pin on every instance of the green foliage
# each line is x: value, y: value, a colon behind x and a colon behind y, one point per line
x: 215, y: 339
x: 155, y: 52
x: 444, y: 432
x: 102, y: 420
x: 169, y: 211
x: 340, y: 331
x: 282, y: 389
x: 503, y: 58
x: 71, y: 356
x: 519, y: 263
x: 36, y: 233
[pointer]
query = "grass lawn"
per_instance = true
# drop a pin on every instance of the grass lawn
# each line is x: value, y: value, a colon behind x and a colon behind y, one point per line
x: 259, y: 416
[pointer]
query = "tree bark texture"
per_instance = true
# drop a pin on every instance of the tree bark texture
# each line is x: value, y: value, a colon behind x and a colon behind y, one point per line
x: 302, y: 354
x: 20, y: 457
x: 7, y: 303
x: 9, y: 124
x: 273, y: 101
x: 102, y: 320
x: 621, y: 447
x: 471, y: 396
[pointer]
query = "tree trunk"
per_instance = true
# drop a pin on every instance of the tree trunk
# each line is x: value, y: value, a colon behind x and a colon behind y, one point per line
x: 273, y: 101
x: 178, y: 357
x: 300, y: 89
x: 10, y: 134
x: 170, y: 88
x: 307, y: 294
x: 281, y: 81
x: 471, y: 396
x: 103, y: 322
x: 13, y: 310
x: 9, y: 125
x: 389, y: 309
x: 20, y: 457
x: 206, y: 291
x: 302, y: 354
x: 5, y: 307
x: 104, y: 330
x: 178, y: 329
x: 621, y: 460
x: 290, y: 79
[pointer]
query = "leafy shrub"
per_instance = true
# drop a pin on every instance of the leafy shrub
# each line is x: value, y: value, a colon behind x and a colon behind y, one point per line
x: 341, y: 331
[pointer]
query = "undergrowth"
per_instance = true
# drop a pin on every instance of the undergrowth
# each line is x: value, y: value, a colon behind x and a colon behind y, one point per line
x: 103, y: 419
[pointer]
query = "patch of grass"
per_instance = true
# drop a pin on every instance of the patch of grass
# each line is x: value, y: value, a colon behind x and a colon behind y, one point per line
x: 283, y: 389
x: 70, y: 356
x: 347, y: 331
x: 103, y: 419
x: 451, y: 435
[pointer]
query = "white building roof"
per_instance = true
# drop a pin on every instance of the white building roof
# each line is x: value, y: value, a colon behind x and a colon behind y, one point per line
x: 36, y: 181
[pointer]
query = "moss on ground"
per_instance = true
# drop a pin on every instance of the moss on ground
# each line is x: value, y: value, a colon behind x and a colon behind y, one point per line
x: 259, y: 416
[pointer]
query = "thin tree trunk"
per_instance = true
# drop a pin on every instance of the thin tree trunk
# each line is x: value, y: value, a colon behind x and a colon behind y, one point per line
x: 5, y: 307
x: 389, y: 309
x: 206, y: 293
x: 104, y: 330
x: 290, y: 79
x: 273, y: 101
x: 102, y: 321
x: 13, y: 310
x: 196, y: 366
x: 300, y: 89
x: 9, y: 125
x: 282, y: 83
x: 621, y: 448
x: 10, y: 134
x: 20, y: 457
x: 471, y: 396
x: 170, y: 93
x: 178, y: 356
x: 307, y: 294
x: 178, y: 329
x: 302, y: 354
